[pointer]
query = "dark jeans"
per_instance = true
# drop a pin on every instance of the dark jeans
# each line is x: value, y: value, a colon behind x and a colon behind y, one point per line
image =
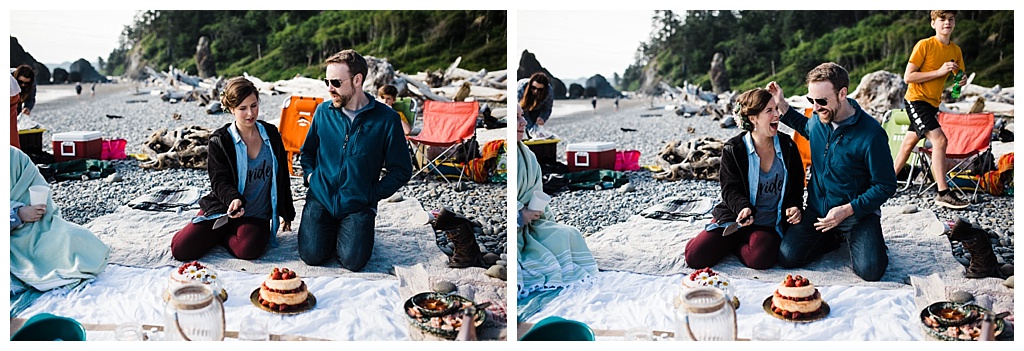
x: 802, y: 244
x: 321, y: 235
x: 244, y: 237
x: 757, y: 247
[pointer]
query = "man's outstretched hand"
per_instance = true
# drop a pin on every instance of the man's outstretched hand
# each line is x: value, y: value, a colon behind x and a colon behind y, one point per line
x: 834, y: 217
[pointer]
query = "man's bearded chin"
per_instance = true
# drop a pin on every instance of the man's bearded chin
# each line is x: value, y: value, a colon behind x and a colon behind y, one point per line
x: 828, y: 116
x: 338, y: 100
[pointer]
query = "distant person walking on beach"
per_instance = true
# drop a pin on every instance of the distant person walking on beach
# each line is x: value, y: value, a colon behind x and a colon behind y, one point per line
x: 78, y: 88
x: 353, y: 139
x: 536, y: 96
x: 616, y: 104
x: 248, y: 170
x: 762, y: 181
x: 851, y: 176
x: 593, y: 102
x: 932, y: 61
x: 92, y: 90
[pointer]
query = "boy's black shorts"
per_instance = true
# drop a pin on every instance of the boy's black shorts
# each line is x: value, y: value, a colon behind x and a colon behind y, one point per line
x: 923, y: 117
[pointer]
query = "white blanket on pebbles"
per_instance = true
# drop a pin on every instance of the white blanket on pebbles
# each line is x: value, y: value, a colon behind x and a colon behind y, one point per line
x: 916, y: 247
x: 140, y: 238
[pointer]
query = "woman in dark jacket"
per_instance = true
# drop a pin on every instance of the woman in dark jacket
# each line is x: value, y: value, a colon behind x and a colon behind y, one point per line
x: 762, y: 190
x: 249, y: 176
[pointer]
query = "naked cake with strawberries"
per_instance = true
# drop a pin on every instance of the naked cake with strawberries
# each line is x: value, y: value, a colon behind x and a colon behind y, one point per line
x: 283, y: 290
x: 194, y: 273
x: 797, y: 298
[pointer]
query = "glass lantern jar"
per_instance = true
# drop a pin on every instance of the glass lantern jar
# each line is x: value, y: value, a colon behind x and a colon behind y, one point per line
x: 193, y: 314
x: 704, y: 315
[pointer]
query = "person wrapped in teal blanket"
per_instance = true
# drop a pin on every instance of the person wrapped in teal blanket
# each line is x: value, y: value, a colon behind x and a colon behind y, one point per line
x: 47, y: 252
x: 551, y: 255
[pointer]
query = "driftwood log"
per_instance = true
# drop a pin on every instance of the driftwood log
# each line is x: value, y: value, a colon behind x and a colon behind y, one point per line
x: 422, y: 88
x: 182, y: 147
x: 696, y: 159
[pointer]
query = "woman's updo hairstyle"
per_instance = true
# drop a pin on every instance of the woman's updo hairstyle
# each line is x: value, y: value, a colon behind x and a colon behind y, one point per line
x: 236, y: 91
x: 750, y: 103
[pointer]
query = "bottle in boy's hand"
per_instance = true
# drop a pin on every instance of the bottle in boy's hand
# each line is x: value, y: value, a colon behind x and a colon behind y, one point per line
x: 956, y: 83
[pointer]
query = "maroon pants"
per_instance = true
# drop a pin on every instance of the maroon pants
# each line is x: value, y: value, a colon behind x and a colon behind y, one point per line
x: 756, y: 246
x: 244, y: 237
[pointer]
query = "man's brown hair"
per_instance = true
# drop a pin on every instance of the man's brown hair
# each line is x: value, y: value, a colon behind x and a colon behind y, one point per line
x: 355, y: 62
x: 832, y: 73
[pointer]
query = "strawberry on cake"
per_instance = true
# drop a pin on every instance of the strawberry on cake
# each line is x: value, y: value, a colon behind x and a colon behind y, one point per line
x: 283, y: 290
x: 705, y: 277
x: 194, y: 272
x: 796, y: 298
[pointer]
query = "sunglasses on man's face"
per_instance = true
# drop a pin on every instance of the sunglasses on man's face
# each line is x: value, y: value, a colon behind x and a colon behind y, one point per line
x: 536, y: 88
x: 335, y: 82
x: 820, y: 102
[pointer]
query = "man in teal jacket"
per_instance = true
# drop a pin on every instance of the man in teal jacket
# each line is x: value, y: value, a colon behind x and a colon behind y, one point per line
x: 353, y: 139
x: 851, y: 176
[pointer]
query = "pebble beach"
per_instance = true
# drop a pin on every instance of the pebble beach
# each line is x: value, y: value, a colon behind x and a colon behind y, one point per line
x: 573, y: 121
x: 592, y: 210
x: 139, y: 112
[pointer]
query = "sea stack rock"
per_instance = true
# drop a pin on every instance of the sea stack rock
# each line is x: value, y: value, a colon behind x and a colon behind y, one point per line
x: 600, y: 87
x: 82, y: 71
x: 60, y: 76
x: 21, y: 57
x: 204, y: 59
x: 528, y: 65
x: 575, y: 91
x: 719, y: 78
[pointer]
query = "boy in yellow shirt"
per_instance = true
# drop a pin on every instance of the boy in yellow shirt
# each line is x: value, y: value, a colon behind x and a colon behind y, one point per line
x: 931, y: 62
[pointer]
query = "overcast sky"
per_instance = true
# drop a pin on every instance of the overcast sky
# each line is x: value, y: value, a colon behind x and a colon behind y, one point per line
x: 55, y: 37
x: 575, y: 44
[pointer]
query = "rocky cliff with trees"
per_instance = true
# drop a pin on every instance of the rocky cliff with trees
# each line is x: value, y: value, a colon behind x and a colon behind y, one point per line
x: 761, y: 46
x: 276, y: 45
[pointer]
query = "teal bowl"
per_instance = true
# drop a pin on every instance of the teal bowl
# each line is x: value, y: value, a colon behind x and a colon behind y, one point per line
x: 48, y: 327
x: 558, y: 329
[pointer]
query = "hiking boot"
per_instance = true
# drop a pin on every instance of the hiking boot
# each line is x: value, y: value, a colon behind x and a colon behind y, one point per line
x: 467, y: 252
x: 983, y: 260
x: 447, y: 219
x: 950, y: 200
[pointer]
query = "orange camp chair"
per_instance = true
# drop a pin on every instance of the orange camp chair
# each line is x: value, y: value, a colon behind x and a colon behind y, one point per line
x: 969, y: 136
x: 448, y: 125
x: 296, y: 117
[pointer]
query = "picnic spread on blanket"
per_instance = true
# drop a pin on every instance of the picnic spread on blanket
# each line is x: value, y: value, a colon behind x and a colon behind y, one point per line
x: 221, y: 296
x: 645, y: 290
